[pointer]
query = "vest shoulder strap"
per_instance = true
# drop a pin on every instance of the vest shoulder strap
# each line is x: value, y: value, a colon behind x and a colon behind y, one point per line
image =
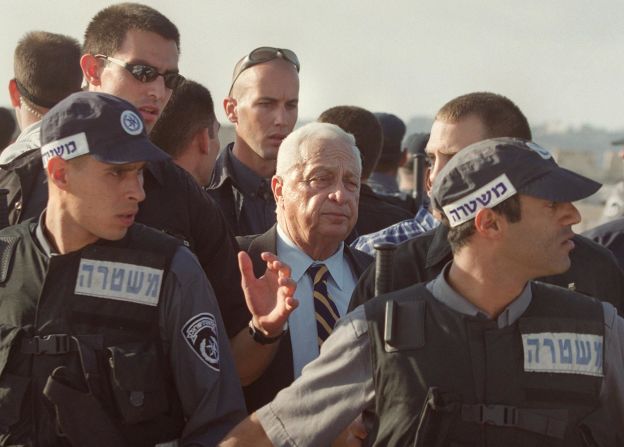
x: 9, y: 238
x: 403, y: 320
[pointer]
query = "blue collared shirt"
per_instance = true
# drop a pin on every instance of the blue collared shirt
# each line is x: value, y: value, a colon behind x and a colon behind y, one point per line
x: 302, y: 322
x: 402, y: 231
x: 443, y: 292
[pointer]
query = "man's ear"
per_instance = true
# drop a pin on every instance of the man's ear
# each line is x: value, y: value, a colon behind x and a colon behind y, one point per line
x: 14, y: 94
x: 277, y: 186
x: 427, y: 183
x: 57, y: 169
x: 229, y: 107
x: 489, y: 223
x: 404, y: 157
x: 91, y: 69
x: 201, y: 140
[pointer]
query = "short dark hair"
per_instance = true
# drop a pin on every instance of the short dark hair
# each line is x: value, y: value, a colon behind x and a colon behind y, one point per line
x: 7, y: 127
x: 393, y: 129
x: 458, y: 236
x: 414, y: 144
x: 108, y: 28
x: 190, y: 109
x: 499, y: 115
x: 47, y: 67
x: 365, y: 128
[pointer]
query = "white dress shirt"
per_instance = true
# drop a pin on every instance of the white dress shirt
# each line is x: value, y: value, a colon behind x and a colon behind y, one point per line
x: 302, y: 322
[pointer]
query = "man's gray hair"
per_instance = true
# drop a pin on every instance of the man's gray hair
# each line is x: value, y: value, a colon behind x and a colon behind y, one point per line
x: 292, y: 151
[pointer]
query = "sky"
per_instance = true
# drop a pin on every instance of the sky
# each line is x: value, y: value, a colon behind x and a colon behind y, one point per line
x: 561, y: 61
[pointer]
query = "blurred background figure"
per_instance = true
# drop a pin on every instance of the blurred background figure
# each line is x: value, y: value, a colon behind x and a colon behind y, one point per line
x: 374, y: 211
x: 414, y: 149
x: 188, y: 130
x: 614, y: 205
x: 46, y: 69
x: 383, y: 180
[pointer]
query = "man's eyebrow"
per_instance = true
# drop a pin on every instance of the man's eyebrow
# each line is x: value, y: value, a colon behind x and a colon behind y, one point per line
x: 317, y: 170
x: 266, y: 98
x: 125, y: 167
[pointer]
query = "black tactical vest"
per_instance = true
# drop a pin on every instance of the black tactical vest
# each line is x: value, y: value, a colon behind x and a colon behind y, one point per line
x: 25, y: 180
x: 79, y: 342
x: 447, y: 379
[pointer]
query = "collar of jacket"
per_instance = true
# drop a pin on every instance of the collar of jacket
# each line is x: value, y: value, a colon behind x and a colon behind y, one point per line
x: 222, y: 171
x: 440, y: 249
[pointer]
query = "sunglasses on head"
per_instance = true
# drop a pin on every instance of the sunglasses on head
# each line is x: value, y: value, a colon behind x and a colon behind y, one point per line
x: 261, y: 55
x: 146, y: 73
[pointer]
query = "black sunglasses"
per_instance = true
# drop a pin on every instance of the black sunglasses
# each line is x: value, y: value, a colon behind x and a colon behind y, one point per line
x: 261, y: 55
x: 146, y: 73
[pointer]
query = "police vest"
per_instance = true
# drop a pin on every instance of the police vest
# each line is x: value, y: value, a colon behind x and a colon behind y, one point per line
x: 447, y: 379
x: 82, y: 328
x: 26, y: 183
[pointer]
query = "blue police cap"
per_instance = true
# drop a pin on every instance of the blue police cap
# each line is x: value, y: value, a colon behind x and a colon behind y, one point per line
x: 487, y: 173
x: 102, y: 125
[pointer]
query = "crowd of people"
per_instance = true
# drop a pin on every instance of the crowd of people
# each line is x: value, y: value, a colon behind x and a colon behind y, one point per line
x: 160, y: 287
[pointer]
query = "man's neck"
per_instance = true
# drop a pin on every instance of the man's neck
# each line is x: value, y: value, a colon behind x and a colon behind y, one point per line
x: 246, y: 155
x: 63, y: 233
x: 487, y: 285
x: 26, y: 118
x: 190, y: 164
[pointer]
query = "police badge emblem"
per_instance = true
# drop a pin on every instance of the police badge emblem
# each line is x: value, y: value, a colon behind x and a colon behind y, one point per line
x: 131, y: 122
x: 200, y: 332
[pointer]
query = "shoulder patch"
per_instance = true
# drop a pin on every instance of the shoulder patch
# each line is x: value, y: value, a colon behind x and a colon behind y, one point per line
x: 119, y: 281
x: 200, y: 332
x: 563, y: 352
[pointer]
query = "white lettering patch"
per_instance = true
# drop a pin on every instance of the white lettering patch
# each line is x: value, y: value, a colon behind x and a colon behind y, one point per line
x: 563, y: 352
x: 487, y: 196
x: 66, y: 148
x: 200, y: 332
x: 119, y: 281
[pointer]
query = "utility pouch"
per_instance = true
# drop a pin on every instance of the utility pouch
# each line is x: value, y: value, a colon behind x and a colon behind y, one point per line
x: 435, y: 418
x: 80, y: 416
x: 12, y: 387
x: 597, y: 430
x: 137, y: 382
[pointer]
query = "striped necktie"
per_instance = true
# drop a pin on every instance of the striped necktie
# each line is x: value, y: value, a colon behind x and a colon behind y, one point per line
x: 324, y: 307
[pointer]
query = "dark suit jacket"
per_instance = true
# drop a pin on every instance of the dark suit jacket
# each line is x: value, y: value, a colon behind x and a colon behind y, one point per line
x: 374, y: 213
x: 279, y: 373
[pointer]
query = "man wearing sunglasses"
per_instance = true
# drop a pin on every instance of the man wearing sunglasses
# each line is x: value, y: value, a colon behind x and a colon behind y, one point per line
x: 132, y: 51
x: 125, y: 44
x: 262, y: 104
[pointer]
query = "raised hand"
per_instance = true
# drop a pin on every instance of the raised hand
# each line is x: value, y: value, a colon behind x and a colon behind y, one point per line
x: 270, y: 298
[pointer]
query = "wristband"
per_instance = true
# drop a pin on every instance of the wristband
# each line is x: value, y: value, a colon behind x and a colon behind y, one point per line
x: 260, y: 338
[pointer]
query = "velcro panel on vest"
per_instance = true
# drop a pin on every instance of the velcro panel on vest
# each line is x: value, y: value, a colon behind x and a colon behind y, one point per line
x: 404, y: 326
x: 565, y: 347
x: 118, y: 286
x: 7, y: 248
x: 12, y: 387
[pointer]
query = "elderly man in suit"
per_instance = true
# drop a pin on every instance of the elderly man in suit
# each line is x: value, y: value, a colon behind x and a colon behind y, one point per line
x: 316, y: 188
